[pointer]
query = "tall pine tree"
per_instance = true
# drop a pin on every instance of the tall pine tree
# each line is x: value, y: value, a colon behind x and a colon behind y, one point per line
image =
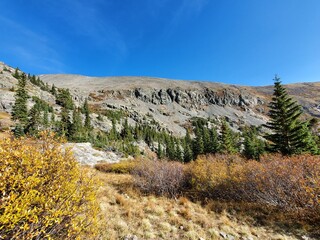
x: 86, y: 112
x: 20, y: 110
x: 288, y: 134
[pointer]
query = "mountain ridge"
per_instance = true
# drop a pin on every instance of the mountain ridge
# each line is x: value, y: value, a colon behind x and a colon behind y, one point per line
x: 171, y: 103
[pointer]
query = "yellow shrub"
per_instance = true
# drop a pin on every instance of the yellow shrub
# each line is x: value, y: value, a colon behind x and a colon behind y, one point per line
x: 43, y: 192
x: 292, y: 183
x: 124, y: 166
x: 217, y: 176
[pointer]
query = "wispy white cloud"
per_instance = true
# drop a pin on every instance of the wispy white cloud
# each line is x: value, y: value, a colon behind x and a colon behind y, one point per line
x: 87, y: 19
x: 30, y: 47
x: 186, y: 9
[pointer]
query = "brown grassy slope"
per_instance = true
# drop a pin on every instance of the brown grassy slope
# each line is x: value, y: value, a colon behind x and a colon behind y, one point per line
x: 5, y: 123
x: 126, y: 212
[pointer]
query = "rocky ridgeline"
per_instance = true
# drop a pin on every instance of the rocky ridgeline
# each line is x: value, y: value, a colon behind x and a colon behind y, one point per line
x: 185, y: 98
x: 173, y: 107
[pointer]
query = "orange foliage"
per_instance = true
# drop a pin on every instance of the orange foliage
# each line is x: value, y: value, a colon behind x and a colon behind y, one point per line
x: 292, y: 183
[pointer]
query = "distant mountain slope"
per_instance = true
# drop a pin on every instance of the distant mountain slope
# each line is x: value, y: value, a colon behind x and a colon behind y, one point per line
x: 171, y: 103
x: 174, y: 102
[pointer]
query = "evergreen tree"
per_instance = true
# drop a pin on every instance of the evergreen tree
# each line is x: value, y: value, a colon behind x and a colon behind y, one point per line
x: 178, y: 151
x: 64, y: 99
x: 159, y: 151
x: 126, y: 131
x: 19, y: 110
x: 18, y: 130
x: 113, y: 132
x: 46, y: 118
x: 187, y: 153
x: 187, y: 148
x: 34, y: 123
x: 288, y: 135
x: 187, y: 138
x: 198, y: 144
x: 53, y: 119
x: 53, y: 90
x: 76, y: 126
x: 253, y: 147
x: 16, y: 73
x: 86, y: 112
x: 170, y: 148
x: 309, y: 141
x: 65, y: 123
x: 206, y: 140
x: 227, y: 139
x: 214, y: 140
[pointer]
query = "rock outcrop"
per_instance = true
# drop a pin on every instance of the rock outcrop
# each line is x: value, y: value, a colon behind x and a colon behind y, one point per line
x: 87, y: 155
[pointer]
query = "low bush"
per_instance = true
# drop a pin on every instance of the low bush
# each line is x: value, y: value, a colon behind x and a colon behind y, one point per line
x: 160, y: 177
x: 44, y: 194
x: 292, y: 183
x: 124, y: 166
x: 288, y: 182
x: 216, y: 176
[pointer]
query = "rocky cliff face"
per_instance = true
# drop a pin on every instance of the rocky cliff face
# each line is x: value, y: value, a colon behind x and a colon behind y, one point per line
x: 170, y: 103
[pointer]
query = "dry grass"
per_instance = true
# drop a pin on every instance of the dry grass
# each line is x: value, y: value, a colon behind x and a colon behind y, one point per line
x: 124, y: 212
x: 5, y: 122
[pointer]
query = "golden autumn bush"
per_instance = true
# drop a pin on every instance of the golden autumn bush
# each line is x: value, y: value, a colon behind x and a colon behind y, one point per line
x: 292, y: 183
x: 124, y: 166
x: 44, y: 194
x: 216, y: 176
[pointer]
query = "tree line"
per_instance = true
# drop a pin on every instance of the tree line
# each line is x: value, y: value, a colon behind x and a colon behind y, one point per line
x: 286, y: 132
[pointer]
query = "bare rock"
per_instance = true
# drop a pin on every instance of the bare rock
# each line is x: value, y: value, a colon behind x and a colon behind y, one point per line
x: 85, y: 154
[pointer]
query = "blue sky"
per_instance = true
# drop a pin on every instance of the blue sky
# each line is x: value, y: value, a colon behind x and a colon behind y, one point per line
x: 233, y: 41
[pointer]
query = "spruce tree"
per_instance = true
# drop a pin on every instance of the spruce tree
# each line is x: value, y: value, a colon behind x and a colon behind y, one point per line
x: 253, y: 147
x: 178, y: 151
x: 159, y: 151
x: 64, y: 98
x: 206, y: 139
x: 76, y: 126
x: 52, y: 119
x: 86, y: 111
x: 113, y: 135
x: 198, y: 144
x: 20, y: 110
x: 34, y: 123
x: 214, y: 140
x: 65, y: 123
x: 170, y: 148
x: 227, y: 139
x: 45, y: 118
x: 53, y: 90
x: 187, y: 149
x: 187, y: 153
x: 288, y: 134
x: 16, y: 73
